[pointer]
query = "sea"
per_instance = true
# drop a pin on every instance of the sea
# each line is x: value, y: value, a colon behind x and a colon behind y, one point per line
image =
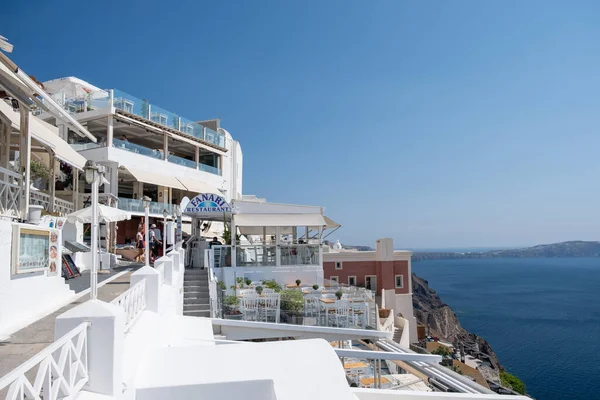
x: 540, y: 315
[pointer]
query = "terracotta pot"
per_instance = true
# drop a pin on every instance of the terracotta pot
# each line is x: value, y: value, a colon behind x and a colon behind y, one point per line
x: 384, y: 312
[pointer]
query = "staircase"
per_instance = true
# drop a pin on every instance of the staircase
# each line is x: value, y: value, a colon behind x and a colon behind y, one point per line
x: 196, y: 300
x: 397, y: 334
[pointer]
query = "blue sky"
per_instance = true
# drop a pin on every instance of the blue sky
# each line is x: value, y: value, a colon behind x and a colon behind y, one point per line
x: 436, y: 123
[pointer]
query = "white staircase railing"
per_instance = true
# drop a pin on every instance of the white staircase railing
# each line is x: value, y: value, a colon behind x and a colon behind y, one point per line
x: 133, y: 302
x: 209, y: 259
x: 10, y: 193
x: 62, y: 370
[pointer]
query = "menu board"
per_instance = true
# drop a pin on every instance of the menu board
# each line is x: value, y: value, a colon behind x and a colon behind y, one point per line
x: 55, y: 252
x: 33, y: 251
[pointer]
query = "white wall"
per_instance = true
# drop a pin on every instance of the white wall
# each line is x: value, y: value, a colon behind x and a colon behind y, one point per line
x: 24, y: 298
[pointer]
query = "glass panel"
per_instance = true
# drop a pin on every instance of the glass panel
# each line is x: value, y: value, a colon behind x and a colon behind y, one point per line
x: 256, y: 255
x: 138, y: 149
x: 300, y: 254
x: 135, y: 205
x: 182, y: 161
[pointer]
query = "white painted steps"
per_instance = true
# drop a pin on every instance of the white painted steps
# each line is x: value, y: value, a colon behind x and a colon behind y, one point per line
x: 196, y: 299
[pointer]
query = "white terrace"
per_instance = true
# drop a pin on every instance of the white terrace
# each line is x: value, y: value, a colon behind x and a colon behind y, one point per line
x: 140, y: 346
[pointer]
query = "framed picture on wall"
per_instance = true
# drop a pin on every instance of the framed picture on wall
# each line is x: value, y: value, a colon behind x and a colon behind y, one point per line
x: 31, y: 249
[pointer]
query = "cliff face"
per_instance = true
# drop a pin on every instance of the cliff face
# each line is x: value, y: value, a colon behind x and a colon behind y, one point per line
x: 443, y: 323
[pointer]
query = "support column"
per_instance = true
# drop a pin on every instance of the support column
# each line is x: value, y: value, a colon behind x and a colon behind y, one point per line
x: 75, y: 189
x: 277, y: 247
x: 52, y: 182
x: 5, y: 145
x: 63, y: 132
x: 197, y: 156
x: 109, y: 131
x: 165, y: 147
x: 233, y: 241
x: 24, y: 160
x: 110, y: 125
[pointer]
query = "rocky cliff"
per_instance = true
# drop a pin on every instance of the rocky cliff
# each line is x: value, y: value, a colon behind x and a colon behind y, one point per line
x: 443, y: 323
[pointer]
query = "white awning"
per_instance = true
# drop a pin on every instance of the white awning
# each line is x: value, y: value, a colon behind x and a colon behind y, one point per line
x: 155, y: 178
x: 331, y: 224
x: 47, y: 135
x: 196, y: 186
x: 314, y: 220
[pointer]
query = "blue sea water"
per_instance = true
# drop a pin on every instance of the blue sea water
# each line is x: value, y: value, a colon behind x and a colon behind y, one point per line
x: 540, y: 315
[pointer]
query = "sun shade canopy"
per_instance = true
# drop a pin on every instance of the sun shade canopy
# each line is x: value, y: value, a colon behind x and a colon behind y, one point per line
x: 155, y: 178
x: 47, y: 135
x: 311, y: 220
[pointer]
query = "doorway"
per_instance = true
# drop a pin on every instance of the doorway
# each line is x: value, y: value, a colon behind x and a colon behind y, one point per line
x: 371, y: 283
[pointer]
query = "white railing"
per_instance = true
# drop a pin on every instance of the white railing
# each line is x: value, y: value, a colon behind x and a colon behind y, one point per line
x: 209, y: 259
x: 42, y: 199
x: 133, y: 302
x: 10, y: 193
x: 62, y: 370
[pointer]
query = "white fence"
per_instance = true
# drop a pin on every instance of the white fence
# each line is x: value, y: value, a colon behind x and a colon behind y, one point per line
x: 133, y: 301
x: 62, y: 370
x: 42, y: 199
x: 209, y: 259
x: 10, y: 192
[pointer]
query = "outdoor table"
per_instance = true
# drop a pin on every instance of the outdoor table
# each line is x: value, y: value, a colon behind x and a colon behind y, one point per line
x: 292, y: 286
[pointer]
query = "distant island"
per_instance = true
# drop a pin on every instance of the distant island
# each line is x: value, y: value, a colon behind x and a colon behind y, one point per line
x: 575, y: 248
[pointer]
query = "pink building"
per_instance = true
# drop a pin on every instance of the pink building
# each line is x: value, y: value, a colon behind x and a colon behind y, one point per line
x: 385, y: 271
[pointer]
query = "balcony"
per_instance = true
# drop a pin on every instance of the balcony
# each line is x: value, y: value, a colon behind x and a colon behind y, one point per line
x: 142, y: 108
x: 158, y: 154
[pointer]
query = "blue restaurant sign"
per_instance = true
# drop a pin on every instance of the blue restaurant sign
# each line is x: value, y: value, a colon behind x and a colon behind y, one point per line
x: 207, y: 203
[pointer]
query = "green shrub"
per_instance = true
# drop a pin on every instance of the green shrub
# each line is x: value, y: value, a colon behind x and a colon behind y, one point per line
x: 292, y: 302
x: 298, y: 282
x: 512, y: 382
x: 248, y: 281
x: 315, y: 287
x: 221, y: 285
x: 259, y: 289
x: 442, y: 351
x: 339, y: 294
x: 272, y: 284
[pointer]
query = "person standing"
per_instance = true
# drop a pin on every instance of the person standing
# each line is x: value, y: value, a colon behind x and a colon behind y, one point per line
x: 214, y: 242
x: 154, y: 241
x: 139, y: 244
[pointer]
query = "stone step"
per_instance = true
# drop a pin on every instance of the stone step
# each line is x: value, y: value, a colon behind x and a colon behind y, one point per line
x: 196, y: 300
x: 205, y: 314
x: 196, y: 307
x: 196, y: 287
x: 195, y: 282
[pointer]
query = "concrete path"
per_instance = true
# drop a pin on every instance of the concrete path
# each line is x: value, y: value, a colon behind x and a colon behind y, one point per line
x: 29, y: 341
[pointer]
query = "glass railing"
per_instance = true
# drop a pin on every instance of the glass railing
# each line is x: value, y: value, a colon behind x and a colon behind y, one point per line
x: 144, y: 109
x: 138, y: 149
x: 135, y: 205
x: 158, y: 154
x: 209, y: 169
x: 182, y: 161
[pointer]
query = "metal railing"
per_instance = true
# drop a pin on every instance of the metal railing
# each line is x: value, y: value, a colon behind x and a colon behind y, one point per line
x: 212, y: 284
x: 10, y: 193
x: 42, y: 199
x: 62, y: 370
x: 133, y: 301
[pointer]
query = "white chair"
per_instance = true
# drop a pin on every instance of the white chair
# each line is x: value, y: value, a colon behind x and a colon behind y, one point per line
x: 357, y: 313
x: 268, y: 291
x: 269, y: 309
x: 249, y: 307
x: 312, y: 306
x: 342, y: 313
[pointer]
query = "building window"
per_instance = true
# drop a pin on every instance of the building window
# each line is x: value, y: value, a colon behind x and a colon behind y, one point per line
x: 338, y: 265
x: 352, y: 280
x: 334, y: 279
x: 399, y: 281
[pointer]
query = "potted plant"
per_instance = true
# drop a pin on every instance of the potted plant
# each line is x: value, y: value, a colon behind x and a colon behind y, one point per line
x: 384, y: 313
x: 298, y: 282
x: 231, y: 307
x: 240, y: 282
x: 221, y: 285
x: 315, y: 287
x: 339, y: 294
x: 292, y: 305
x: 272, y: 284
x: 259, y: 290
x: 248, y: 282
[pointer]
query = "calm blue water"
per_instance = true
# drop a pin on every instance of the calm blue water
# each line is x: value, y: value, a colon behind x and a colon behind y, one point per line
x: 541, y: 316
